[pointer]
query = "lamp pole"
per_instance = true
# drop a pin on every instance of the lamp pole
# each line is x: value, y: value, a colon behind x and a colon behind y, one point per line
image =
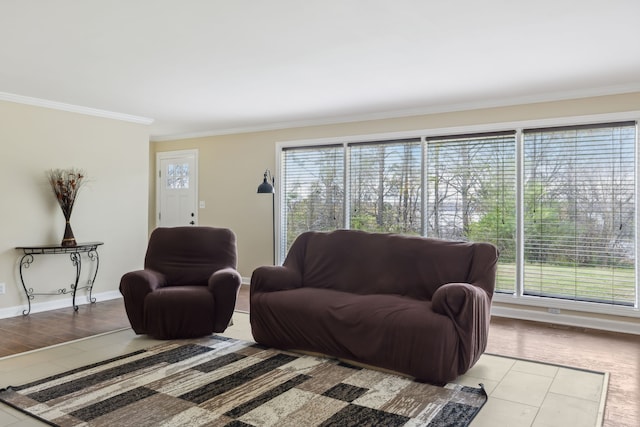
x: 265, y: 188
x: 273, y: 222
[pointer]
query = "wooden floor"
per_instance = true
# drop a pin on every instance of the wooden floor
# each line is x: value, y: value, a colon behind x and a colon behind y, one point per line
x: 617, y: 354
x: 37, y: 330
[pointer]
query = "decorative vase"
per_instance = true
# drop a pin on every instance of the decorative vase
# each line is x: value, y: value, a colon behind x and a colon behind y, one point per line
x: 65, y: 184
x: 68, y: 239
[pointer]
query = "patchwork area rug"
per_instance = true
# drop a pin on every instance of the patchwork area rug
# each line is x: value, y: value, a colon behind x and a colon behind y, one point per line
x: 220, y: 381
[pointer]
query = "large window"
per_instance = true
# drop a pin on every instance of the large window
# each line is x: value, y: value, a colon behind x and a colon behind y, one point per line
x: 471, y: 194
x: 559, y: 203
x: 312, y: 191
x: 579, y: 213
x: 385, y: 186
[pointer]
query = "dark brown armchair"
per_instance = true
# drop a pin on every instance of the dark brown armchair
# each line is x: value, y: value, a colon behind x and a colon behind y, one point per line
x: 189, y: 284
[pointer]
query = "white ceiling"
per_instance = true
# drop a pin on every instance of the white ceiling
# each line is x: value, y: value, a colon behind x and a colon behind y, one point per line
x: 214, y: 66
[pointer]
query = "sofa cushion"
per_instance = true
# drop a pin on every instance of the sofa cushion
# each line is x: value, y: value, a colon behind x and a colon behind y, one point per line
x: 389, y: 331
x: 366, y: 263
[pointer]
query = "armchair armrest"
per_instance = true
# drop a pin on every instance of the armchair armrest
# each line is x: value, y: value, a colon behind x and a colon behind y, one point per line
x: 469, y: 308
x: 275, y: 278
x: 224, y: 284
x: 223, y: 279
x: 143, y: 280
x: 134, y: 287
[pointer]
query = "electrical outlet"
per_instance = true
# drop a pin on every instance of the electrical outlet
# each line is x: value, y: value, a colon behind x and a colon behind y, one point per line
x: 554, y: 310
x: 3, y: 288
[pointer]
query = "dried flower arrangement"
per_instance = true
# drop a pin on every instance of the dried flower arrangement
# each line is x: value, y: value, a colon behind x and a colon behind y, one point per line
x: 65, y: 184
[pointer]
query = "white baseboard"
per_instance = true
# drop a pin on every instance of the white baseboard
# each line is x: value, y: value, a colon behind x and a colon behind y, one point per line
x: 246, y: 280
x: 56, y: 304
x: 567, y: 320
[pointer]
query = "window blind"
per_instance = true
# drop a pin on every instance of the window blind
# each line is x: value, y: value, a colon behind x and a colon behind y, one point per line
x: 579, y: 210
x: 471, y: 194
x: 312, y: 191
x: 385, y: 186
x: 578, y: 191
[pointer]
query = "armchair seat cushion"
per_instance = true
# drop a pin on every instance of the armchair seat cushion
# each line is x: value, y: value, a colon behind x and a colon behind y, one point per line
x: 179, y: 311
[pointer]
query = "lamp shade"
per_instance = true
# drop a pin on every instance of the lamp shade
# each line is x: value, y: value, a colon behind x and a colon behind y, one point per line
x: 266, y: 186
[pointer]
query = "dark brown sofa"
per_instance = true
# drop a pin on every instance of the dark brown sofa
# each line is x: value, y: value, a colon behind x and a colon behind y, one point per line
x: 189, y: 284
x: 414, y: 305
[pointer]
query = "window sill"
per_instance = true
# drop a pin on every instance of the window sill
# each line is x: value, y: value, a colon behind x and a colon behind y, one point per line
x: 568, y: 313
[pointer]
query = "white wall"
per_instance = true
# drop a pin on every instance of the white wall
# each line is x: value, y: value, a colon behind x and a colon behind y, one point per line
x: 112, y: 207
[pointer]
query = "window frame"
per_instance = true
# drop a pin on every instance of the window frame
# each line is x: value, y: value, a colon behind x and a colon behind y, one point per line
x: 518, y: 298
x: 566, y: 146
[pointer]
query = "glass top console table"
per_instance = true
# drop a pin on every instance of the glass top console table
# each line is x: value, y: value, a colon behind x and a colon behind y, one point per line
x: 75, y: 254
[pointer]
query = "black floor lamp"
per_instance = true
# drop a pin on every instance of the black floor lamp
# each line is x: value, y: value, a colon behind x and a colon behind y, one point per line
x: 266, y: 188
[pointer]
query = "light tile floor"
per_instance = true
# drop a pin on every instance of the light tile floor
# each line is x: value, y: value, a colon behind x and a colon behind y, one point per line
x: 521, y: 393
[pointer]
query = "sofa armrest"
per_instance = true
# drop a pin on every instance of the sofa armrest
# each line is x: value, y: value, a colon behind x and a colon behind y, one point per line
x: 134, y: 287
x: 224, y: 284
x: 469, y: 308
x: 275, y: 278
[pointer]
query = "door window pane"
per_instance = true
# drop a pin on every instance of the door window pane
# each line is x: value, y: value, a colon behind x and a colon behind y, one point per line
x: 178, y: 176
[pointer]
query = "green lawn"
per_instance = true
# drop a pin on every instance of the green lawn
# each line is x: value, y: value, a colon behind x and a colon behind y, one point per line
x: 611, y: 285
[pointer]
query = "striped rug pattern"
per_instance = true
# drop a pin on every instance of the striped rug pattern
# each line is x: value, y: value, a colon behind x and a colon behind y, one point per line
x: 217, y: 381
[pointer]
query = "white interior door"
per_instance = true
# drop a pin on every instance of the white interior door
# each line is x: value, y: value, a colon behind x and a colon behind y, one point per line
x: 177, y: 192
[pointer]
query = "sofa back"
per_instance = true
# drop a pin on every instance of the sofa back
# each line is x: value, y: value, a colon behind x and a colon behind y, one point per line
x: 189, y: 255
x: 378, y: 263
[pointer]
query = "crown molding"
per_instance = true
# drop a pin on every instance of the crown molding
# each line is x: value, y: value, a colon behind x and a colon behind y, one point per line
x: 54, y: 105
